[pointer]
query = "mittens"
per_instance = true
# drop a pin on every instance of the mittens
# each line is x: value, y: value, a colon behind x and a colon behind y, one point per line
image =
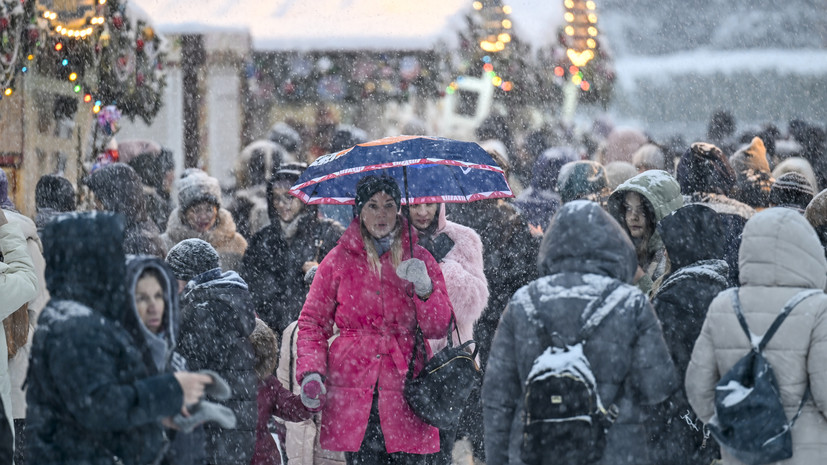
x: 311, y: 273
x: 203, y: 412
x: 219, y: 389
x: 415, y: 271
x: 313, y: 392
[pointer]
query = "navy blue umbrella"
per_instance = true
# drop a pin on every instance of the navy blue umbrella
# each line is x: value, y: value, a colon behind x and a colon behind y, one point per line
x: 428, y: 170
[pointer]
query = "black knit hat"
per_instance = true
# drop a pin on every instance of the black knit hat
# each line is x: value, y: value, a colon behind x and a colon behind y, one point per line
x: 370, y: 185
x: 791, y: 190
x: 192, y: 257
x: 289, y: 172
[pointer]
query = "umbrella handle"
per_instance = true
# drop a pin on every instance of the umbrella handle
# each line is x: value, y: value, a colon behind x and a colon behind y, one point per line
x: 408, y: 203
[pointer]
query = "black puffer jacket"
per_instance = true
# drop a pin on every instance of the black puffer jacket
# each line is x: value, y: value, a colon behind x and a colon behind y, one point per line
x: 584, y: 252
x: 91, y: 396
x: 217, y: 320
x: 272, y: 266
x: 694, y: 239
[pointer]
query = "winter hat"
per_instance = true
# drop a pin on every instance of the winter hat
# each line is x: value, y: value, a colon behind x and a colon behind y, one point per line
x: 699, y: 222
x: 266, y: 349
x: 648, y: 157
x: 119, y: 189
x: 704, y: 168
x: 791, y: 190
x: 752, y: 157
x: 618, y: 172
x: 580, y: 179
x: 4, y: 192
x: 197, y: 187
x: 257, y: 161
x: 797, y: 165
x: 284, y: 135
x: 370, y: 185
x: 346, y: 136
x: 289, y: 173
x: 191, y: 257
x: 55, y: 192
x: 548, y: 165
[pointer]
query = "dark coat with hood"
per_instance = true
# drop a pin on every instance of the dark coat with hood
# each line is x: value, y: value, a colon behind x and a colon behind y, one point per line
x: 216, y: 322
x: 706, y: 177
x: 693, y: 236
x: 508, y: 250
x: 118, y: 187
x: 159, y: 351
x: 272, y: 264
x: 583, y: 253
x: 89, y: 384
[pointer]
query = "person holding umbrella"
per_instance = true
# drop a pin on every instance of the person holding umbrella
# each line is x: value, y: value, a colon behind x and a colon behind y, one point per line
x: 376, y: 286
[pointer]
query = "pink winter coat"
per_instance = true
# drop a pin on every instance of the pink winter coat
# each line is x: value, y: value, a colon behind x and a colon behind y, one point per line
x: 464, y: 276
x: 377, y: 320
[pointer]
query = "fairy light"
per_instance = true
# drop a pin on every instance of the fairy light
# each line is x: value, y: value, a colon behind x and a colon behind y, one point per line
x: 73, y: 77
x: 477, y: 5
x: 8, y: 91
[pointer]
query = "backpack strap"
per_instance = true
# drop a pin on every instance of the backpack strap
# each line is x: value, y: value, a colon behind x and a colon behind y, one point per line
x: 597, y: 310
x: 592, y: 316
x: 788, y: 307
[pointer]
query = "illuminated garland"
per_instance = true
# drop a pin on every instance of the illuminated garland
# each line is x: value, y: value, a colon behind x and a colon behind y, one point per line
x: 106, y: 58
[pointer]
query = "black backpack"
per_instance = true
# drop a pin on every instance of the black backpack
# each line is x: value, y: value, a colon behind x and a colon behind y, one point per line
x: 564, y: 420
x: 749, y: 420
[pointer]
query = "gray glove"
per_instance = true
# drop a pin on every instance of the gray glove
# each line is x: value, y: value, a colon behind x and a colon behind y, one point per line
x: 415, y: 271
x: 313, y: 392
x: 203, y: 412
x: 311, y: 273
x: 219, y: 389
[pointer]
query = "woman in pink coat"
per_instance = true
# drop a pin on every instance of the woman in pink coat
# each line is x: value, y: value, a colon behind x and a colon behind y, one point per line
x: 376, y: 294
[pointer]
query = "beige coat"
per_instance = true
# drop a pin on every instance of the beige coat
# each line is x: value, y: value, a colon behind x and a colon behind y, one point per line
x: 780, y: 255
x: 18, y: 285
x: 302, y: 442
x: 229, y: 244
x: 20, y: 363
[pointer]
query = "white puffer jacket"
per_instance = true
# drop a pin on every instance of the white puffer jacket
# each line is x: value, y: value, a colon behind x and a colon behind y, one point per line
x: 780, y: 255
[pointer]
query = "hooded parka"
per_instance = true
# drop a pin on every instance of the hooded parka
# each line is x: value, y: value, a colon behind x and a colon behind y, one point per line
x: 780, y: 256
x: 583, y: 252
x: 663, y: 193
x: 694, y: 240
x: 377, y: 315
x: 159, y: 351
x: 91, y: 395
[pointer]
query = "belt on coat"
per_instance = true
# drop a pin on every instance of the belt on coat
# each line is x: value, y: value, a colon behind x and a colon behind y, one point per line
x: 387, y: 334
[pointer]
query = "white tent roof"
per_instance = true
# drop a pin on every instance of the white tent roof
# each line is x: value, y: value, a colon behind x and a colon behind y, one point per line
x: 281, y: 25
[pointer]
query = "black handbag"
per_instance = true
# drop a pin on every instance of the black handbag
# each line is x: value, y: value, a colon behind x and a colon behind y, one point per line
x: 439, y: 392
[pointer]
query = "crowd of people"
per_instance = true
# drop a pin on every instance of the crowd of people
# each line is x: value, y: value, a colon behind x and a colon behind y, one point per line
x: 163, y: 320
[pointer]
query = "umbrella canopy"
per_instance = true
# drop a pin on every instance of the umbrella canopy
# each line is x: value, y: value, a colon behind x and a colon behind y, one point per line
x: 428, y: 170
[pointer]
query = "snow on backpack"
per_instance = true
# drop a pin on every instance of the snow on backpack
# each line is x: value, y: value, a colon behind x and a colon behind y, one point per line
x: 564, y: 420
x: 749, y: 421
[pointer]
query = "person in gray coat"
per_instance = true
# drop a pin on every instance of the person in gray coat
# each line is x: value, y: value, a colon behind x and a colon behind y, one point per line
x: 583, y: 253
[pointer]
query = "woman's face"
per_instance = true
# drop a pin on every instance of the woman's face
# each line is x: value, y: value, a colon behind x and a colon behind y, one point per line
x: 149, y: 300
x: 379, y: 215
x: 287, y: 206
x: 202, y: 216
x: 636, y: 216
x: 423, y: 215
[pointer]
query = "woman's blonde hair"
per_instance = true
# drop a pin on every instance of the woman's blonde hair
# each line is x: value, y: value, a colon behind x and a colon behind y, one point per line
x: 373, y: 256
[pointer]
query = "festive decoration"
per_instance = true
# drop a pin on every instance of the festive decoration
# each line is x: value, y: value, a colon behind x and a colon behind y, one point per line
x: 15, y: 44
